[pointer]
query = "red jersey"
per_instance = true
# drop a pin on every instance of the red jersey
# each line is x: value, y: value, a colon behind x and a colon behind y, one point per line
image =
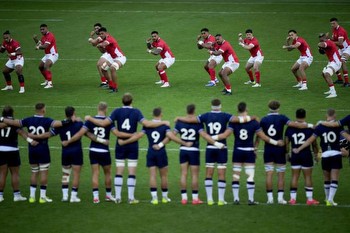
x: 160, y: 44
x: 256, y: 50
x: 49, y: 39
x: 11, y: 47
x: 304, y: 47
x: 340, y: 32
x: 227, y: 52
x: 210, y: 39
x: 332, y: 51
x: 113, y: 48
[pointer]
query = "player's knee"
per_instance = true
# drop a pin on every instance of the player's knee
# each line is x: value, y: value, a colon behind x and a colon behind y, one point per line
x: 268, y: 167
x: 105, y: 66
x: 35, y: 169
x: 280, y: 169
x: 44, y: 167
x: 328, y: 70
x: 115, y: 66
x: 250, y: 172
x: 132, y: 163
x: 120, y: 163
x: 210, y: 165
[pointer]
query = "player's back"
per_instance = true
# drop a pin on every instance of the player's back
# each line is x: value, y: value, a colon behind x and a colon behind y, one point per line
x: 67, y: 131
x: 127, y: 119
x: 38, y: 125
x: 98, y: 131
x: 329, y: 137
x: 9, y: 137
x: 273, y: 125
x: 189, y: 132
x: 244, y: 133
x: 297, y: 137
x: 156, y: 135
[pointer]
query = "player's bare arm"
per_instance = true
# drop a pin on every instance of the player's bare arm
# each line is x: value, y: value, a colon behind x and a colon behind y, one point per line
x: 305, y: 144
x: 120, y: 134
x: 269, y: 140
x: 132, y: 139
x: 12, y: 122
x: 99, y: 122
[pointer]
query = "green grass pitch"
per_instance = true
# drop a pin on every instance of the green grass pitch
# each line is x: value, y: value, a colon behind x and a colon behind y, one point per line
x: 76, y: 83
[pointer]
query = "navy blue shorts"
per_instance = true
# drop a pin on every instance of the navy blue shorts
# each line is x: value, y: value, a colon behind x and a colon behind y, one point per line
x: 302, y: 159
x: 10, y: 158
x: 39, y: 154
x: 333, y: 162
x: 101, y: 158
x: 275, y: 155
x: 192, y: 157
x: 242, y: 156
x: 157, y: 158
x: 216, y: 155
x: 130, y: 151
x: 72, y: 156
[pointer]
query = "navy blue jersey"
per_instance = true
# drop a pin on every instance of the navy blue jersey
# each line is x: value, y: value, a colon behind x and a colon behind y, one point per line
x: 9, y: 136
x: 273, y: 125
x: 189, y: 132
x: 67, y: 131
x: 215, y: 122
x: 330, y: 137
x: 99, y: 131
x: 345, y: 121
x: 244, y: 133
x: 126, y: 118
x: 38, y: 125
x: 155, y: 135
x: 297, y: 137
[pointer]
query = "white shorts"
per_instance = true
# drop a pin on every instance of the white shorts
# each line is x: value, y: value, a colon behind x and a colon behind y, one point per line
x: 232, y: 65
x: 19, y: 61
x: 259, y: 59
x: 167, y: 61
x: 51, y: 57
x: 105, y: 55
x: 109, y: 58
x: 344, y: 51
x: 332, y: 67
x: 217, y: 59
x: 306, y: 59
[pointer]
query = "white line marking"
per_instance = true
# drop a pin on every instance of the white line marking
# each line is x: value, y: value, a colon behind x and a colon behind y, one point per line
x: 41, y: 20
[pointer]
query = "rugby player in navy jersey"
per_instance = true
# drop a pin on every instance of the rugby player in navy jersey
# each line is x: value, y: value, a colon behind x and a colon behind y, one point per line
x: 126, y: 119
x: 331, y: 154
x: 274, y: 156
x: 190, y: 156
x: 39, y: 155
x: 244, y: 153
x: 215, y: 123
x: 156, y: 154
x: 9, y: 155
x: 302, y: 161
x: 98, y: 152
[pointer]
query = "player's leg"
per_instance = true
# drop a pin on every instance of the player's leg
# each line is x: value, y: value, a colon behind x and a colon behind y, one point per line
x: 153, y: 184
x: 183, y: 182
x: 120, y: 166
x: 44, y: 173
x: 3, y: 175
x: 7, y: 75
x: 14, y: 169
x: 281, y: 170
x: 269, y: 170
x: 104, y: 76
x: 256, y: 68
x: 75, y: 183
x: 294, y: 184
x: 295, y: 69
x: 18, y: 69
x: 248, y: 69
x: 250, y: 172
x: 327, y: 74
x: 344, y: 59
x: 210, y: 159
x: 66, y: 171
x: 334, y: 175
x: 303, y: 66
x: 221, y: 168
x: 95, y: 170
x: 224, y: 73
x: 236, y: 170
x: 163, y: 76
x: 131, y: 182
x: 163, y: 172
x: 307, y: 172
x: 210, y: 68
x: 33, y: 181
x: 195, y: 184
x: 108, y: 181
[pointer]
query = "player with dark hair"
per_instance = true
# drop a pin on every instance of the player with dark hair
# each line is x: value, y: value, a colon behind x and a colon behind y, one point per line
x: 341, y: 39
x: 115, y: 58
x: 298, y: 69
x: 39, y: 155
x: 244, y: 151
x: 302, y: 161
x: 331, y: 155
x: 207, y: 41
x: 334, y: 64
x: 94, y: 40
x: 9, y: 155
x: 157, y: 46
x: 231, y: 64
x: 256, y: 56
x: 14, y: 63
x: 48, y: 44
x: 126, y: 119
x: 156, y: 154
